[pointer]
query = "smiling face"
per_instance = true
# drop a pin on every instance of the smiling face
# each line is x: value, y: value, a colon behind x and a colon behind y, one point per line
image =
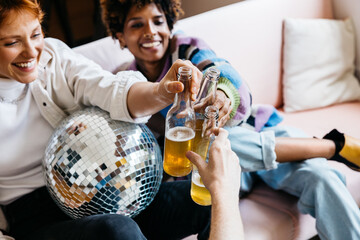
x: 21, y: 43
x: 146, y: 34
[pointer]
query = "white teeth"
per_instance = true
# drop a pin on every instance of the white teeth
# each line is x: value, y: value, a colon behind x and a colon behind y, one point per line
x: 151, y: 44
x: 26, y: 65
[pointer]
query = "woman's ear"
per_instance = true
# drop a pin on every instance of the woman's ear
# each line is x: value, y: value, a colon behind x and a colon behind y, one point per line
x: 120, y: 37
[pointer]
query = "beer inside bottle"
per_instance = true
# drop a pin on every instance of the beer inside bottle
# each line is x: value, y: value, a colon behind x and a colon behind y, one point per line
x: 199, y: 192
x: 178, y: 141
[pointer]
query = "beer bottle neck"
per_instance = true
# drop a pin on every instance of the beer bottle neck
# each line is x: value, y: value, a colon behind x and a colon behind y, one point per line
x: 181, y: 113
x: 184, y: 98
x: 208, y: 86
x: 211, y: 119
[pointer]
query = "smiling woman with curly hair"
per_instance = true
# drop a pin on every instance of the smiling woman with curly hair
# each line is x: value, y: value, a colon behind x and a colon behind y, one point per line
x: 115, y: 12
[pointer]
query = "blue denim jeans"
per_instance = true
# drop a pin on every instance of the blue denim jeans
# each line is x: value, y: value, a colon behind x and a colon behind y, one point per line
x: 171, y: 215
x: 321, y: 189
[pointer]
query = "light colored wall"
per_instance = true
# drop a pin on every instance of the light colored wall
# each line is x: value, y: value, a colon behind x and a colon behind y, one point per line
x: 350, y: 8
x: 342, y: 9
x: 193, y: 7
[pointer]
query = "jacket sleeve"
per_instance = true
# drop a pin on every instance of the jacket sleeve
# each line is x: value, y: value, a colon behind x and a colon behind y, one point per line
x: 198, y: 52
x: 74, y: 81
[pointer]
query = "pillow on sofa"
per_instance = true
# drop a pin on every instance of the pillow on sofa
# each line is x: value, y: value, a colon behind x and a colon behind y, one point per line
x: 318, y: 67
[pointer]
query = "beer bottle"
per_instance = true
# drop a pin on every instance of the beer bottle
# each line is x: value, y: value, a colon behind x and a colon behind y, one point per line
x: 206, y: 119
x: 207, y: 92
x: 205, y: 98
x: 179, y: 129
x: 198, y: 192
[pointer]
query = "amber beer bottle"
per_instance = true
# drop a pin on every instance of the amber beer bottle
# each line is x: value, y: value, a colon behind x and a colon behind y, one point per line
x: 179, y: 129
x: 206, y: 119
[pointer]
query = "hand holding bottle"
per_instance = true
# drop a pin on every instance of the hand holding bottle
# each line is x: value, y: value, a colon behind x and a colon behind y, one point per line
x: 223, y: 103
x: 169, y: 86
x: 148, y: 98
x: 210, y: 95
x: 221, y: 175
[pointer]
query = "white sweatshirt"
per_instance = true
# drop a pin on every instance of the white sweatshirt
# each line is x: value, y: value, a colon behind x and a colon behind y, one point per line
x: 67, y: 82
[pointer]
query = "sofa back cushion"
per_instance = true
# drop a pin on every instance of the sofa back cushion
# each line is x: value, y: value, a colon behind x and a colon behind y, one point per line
x: 319, y: 63
x: 106, y: 52
x: 249, y: 35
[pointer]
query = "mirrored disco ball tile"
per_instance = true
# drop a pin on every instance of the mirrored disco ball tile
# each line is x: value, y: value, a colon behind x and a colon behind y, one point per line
x: 96, y: 165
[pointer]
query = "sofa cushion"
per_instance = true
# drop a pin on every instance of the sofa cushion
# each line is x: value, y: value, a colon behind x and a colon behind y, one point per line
x: 318, y: 122
x: 107, y: 53
x: 319, y: 63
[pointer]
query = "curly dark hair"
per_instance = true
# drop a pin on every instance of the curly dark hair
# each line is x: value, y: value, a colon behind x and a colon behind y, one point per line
x: 114, y: 12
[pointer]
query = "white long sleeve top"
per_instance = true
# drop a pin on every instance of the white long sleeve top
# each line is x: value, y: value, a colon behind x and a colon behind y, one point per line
x: 67, y: 82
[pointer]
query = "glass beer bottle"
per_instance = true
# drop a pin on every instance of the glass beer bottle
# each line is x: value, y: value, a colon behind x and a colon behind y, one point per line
x: 206, y: 115
x: 205, y: 98
x: 207, y: 92
x: 179, y: 129
x: 198, y: 192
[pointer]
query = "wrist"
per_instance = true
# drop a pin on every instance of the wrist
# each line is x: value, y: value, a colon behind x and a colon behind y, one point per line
x: 226, y: 195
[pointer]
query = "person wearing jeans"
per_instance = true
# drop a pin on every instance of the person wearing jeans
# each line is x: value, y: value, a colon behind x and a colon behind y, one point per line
x: 321, y: 189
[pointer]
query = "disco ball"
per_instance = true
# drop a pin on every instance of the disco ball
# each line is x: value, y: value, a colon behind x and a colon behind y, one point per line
x: 95, y: 165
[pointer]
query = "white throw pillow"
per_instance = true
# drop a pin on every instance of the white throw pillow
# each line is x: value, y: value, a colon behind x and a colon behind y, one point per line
x: 319, y: 56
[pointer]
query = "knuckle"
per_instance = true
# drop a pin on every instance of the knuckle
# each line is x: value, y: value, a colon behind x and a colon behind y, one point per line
x: 178, y: 61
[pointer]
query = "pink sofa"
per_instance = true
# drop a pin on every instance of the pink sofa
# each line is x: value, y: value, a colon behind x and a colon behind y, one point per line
x: 249, y: 34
